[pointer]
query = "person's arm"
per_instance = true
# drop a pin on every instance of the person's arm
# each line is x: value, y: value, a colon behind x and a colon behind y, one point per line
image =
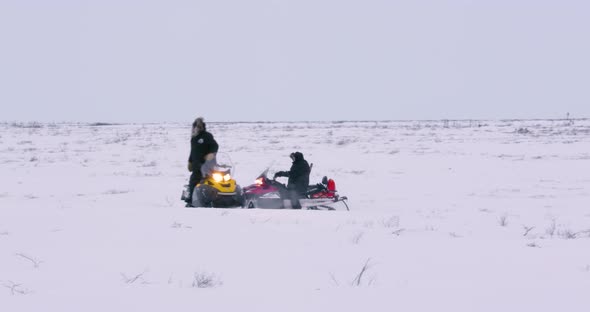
x: 208, y: 166
x: 214, y: 147
x: 281, y: 174
x: 210, y: 144
x: 190, y: 157
x: 210, y: 147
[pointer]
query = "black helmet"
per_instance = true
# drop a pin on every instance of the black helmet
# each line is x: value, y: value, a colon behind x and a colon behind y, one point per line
x: 296, y: 156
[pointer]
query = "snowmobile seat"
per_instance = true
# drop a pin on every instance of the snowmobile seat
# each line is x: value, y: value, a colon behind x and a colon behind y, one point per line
x: 326, y: 189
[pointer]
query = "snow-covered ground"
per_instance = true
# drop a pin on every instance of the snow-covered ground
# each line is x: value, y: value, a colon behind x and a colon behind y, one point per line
x: 445, y: 216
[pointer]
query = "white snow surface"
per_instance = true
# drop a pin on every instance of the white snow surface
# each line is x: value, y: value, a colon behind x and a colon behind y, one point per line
x: 445, y: 216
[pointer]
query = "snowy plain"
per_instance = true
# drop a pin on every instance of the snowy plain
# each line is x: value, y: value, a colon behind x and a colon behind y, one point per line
x: 445, y: 216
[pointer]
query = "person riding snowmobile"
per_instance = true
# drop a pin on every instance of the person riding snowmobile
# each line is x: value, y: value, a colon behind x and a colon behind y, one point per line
x: 202, y: 157
x: 298, y: 179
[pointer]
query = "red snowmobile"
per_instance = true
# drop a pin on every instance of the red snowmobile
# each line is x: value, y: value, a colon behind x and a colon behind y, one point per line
x: 267, y: 193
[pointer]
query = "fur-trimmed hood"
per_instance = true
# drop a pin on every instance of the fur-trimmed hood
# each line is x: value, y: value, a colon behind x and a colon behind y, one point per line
x: 199, y: 126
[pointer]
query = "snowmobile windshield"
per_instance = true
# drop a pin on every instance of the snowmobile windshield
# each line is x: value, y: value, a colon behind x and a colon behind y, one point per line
x: 269, y: 172
x: 224, y: 163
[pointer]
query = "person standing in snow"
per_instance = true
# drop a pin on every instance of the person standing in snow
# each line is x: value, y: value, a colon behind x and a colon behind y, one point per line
x: 298, y: 179
x: 202, y: 157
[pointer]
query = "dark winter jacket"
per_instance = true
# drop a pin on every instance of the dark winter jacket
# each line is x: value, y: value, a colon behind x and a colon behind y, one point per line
x: 298, y: 174
x: 201, y: 145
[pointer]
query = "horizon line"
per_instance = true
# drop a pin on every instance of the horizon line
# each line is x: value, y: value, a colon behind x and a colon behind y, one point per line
x: 106, y: 123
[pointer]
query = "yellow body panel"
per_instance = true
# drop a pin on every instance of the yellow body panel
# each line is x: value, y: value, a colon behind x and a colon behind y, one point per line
x: 223, y: 186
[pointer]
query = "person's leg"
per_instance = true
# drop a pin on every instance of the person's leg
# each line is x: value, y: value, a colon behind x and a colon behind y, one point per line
x: 194, y: 179
x: 294, y: 197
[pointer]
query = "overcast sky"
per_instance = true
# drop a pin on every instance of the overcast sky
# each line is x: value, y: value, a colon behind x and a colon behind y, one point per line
x: 278, y: 60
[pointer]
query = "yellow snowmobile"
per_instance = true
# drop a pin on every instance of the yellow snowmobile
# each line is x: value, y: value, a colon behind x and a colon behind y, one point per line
x: 219, y: 189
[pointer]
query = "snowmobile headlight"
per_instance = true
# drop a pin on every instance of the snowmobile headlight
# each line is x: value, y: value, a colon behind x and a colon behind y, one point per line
x: 259, y: 181
x: 226, y: 177
x: 217, y: 177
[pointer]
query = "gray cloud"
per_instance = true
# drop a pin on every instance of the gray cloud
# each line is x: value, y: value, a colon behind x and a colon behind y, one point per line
x: 139, y: 61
